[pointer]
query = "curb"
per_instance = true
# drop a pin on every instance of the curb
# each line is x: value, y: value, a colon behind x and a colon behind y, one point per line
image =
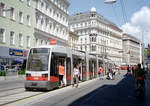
x: 4, y: 78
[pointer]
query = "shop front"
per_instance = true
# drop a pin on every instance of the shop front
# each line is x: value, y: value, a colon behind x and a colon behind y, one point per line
x: 10, y: 58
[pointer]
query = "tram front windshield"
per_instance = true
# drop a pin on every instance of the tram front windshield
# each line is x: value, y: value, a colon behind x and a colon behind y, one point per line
x: 38, y: 59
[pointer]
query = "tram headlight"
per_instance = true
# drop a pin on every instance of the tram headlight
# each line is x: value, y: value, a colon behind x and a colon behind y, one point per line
x: 28, y: 75
x: 45, y: 75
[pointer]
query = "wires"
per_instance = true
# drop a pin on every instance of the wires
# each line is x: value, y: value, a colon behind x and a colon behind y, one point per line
x: 115, y: 13
x: 123, y: 11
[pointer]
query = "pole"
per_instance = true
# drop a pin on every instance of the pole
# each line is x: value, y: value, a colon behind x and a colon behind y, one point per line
x: 142, y: 47
x: 140, y: 53
x: 97, y: 64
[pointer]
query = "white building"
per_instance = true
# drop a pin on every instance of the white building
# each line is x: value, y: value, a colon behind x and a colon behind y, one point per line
x: 132, y: 51
x: 51, y: 21
x: 97, y: 35
x: 73, y: 40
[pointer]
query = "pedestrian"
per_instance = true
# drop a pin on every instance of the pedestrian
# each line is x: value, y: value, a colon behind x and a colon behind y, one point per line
x: 128, y: 70
x: 61, y: 74
x: 79, y: 75
x: 76, y: 76
x: 119, y: 70
x: 111, y: 73
x: 100, y: 72
x: 6, y: 67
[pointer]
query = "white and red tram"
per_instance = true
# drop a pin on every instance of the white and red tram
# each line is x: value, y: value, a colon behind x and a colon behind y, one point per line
x: 42, y: 66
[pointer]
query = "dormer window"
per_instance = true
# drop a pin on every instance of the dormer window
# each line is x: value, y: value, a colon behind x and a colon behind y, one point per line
x: 93, y: 15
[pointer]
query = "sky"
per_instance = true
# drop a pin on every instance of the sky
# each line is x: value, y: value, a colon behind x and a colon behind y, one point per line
x: 136, y: 11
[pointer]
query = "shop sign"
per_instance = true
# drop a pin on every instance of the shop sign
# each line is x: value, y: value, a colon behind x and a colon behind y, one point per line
x: 52, y: 41
x: 15, y: 52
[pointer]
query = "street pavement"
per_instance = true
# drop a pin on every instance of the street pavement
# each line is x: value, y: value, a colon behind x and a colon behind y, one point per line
x: 118, y: 92
x: 11, y: 83
x: 122, y: 94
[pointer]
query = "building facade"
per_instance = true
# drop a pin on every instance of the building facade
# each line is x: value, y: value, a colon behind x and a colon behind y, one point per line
x: 132, y: 51
x: 16, y: 30
x: 51, y: 22
x: 97, y: 35
x: 73, y: 40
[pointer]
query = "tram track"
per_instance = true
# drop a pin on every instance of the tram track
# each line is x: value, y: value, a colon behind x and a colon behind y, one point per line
x: 12, y: 96
x: 9, y: 92
x: 13, y: 101
x: 3, y: 90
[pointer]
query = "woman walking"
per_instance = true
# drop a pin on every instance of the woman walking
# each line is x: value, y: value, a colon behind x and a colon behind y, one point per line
x: 76, y: 76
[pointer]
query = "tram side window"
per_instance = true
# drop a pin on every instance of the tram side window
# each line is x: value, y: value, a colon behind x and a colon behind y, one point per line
x: 54, y: 66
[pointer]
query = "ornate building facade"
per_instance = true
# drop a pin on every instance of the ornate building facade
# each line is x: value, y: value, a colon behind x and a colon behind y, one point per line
x: 73, y: 40
x: 51, y: 21
x: 132, y: 51
x: 97, y: 35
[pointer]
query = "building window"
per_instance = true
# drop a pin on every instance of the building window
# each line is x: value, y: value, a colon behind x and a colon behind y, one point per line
x: 50, y: 11
x: 85, y: 48
x: 28, y: 20
x: 28, y: 2
x: 20, y: 17
x: 93, y: 48
x: 28, y: 41
x: 46, y: 9
x: 37, y: 4
x: 54, y: 13
x: 42, y: 5
x: 37, y: 42
x: 42, y: 24
x: 12, y: 38
x: 2, y: 35
x: 93, y: 15
x: 2, y: 13
x: 81, y: 40
x: 85, y: 40
x: 20, y: 39
x: 81, y: 48
x: 42, y: 42
x: 12, y: 14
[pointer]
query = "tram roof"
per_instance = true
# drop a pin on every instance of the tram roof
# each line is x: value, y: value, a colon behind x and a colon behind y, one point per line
x: 56, y: 48
x: 50, y: 46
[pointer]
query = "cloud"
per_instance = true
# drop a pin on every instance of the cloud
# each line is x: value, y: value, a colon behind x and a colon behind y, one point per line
x: 140, y: 22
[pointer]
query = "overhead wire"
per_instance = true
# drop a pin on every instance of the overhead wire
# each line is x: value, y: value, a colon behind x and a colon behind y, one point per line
x: 115, y: 13
x: 123, y: 11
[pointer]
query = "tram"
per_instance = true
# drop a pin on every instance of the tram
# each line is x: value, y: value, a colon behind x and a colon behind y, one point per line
x: 42, y: 66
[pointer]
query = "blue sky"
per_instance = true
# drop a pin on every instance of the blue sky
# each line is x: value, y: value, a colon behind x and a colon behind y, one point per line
x: 111, y: 12
x: 135, y: 10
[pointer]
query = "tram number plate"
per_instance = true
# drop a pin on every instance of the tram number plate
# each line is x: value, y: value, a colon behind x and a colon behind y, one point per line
x: 34, y: 84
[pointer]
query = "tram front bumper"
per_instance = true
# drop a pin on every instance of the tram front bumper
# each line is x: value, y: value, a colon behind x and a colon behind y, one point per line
x: 37, y: 85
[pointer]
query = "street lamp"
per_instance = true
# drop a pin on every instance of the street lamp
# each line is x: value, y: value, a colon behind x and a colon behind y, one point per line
x: 122, y: 7
x: 110, y: 1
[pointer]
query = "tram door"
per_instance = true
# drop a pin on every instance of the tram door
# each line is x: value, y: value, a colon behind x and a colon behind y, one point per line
x: 54, y: 72
x: 95, y: 69
x: 68, y: 70
x: 54, y: 75
x: 90, y: 69
x: 83, y: 71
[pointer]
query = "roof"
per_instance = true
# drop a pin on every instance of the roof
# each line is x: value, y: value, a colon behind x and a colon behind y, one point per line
x: 115, y: 27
